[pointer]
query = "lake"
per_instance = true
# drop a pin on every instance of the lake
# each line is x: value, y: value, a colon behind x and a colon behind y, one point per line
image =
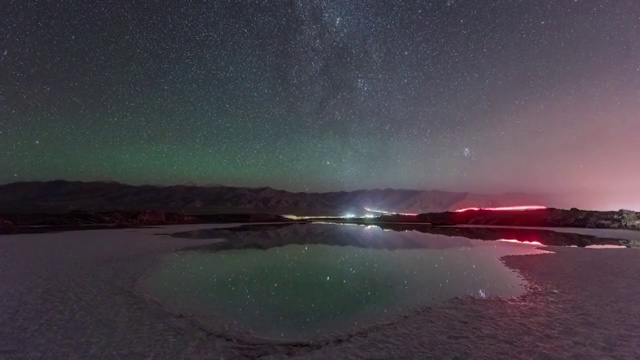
x: 302, y: 282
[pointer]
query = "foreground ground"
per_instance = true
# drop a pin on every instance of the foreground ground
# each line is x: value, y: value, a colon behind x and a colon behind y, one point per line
x: 64, y: 296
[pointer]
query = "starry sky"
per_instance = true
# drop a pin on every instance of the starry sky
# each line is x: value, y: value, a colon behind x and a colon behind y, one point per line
x: 482, y: 95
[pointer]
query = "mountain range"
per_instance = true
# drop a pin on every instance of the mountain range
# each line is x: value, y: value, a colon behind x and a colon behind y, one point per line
x: 62, y: 196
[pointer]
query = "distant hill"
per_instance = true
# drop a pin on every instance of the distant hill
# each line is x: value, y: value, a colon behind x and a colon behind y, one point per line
x: 62, y: 196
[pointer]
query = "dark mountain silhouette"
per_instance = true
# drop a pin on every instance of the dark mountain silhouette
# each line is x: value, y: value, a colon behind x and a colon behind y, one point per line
x: 63, y: 196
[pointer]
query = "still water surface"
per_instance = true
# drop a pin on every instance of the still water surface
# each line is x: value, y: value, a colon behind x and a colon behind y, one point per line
x: 305, y: 281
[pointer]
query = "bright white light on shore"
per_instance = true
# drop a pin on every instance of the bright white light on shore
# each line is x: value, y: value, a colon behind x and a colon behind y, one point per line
x: 348, y: 216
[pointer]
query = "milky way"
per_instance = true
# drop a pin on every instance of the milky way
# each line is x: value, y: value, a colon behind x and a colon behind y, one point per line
x: 536, y: 96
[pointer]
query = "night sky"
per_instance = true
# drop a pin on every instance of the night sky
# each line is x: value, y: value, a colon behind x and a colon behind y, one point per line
x: 473, y: 95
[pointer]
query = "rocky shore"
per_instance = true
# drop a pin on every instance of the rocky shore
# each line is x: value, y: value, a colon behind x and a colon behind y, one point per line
x: 575, y: 218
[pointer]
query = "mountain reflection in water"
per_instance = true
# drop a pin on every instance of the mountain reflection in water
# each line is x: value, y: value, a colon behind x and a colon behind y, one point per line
x: 267, y: 236
x: 309, y: 281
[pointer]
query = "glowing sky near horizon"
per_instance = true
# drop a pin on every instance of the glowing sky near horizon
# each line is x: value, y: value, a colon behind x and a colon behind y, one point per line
x: 483, y: 96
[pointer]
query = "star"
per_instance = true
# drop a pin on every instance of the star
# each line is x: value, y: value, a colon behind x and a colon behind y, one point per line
x: 341, y: 95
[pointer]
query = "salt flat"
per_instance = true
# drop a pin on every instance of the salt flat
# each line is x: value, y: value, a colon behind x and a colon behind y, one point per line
x: 73, y: 295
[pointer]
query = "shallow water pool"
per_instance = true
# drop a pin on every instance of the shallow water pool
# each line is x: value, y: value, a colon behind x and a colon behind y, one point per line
x: 302, y: 282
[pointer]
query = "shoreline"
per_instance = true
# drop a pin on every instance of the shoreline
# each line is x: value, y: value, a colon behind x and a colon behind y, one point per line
x: 247, y: 336
x: 579, y: 302
x: 542, y: 321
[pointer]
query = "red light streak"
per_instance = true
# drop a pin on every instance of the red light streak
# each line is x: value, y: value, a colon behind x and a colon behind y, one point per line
x: 505, y: 208
x: 521, y: 242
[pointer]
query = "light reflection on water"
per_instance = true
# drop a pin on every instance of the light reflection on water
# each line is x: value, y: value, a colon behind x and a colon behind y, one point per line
x: 302, y: 288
